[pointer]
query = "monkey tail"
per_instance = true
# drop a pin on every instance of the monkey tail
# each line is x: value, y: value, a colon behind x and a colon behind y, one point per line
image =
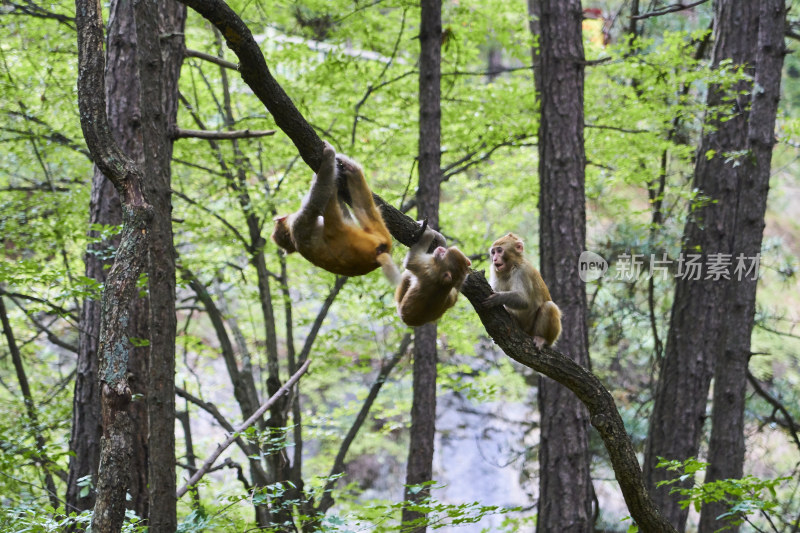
x: 389, y: 269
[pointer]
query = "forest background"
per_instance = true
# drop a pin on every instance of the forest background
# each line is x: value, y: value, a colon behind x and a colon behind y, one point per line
x: 336, y: 454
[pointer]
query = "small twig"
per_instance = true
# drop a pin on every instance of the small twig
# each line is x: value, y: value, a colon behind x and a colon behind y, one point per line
x: 246, y: 424
x: 221, y: 135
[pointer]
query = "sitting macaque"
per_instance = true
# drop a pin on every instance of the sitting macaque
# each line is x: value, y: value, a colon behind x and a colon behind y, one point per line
x: 520, y: 287
x: 429, y: 285
x: 324, y: 232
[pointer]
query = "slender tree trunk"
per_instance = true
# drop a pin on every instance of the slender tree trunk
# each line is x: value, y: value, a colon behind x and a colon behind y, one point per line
x: 565, y: 485
x: 726, y: 447
x: 159, y: 30
x: 697, y: 325
x: 423, y: 410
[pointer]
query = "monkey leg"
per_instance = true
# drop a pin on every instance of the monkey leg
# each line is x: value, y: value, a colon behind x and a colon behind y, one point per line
x: 323, y: 189
x: 364, y: 208
x: 547, y: 327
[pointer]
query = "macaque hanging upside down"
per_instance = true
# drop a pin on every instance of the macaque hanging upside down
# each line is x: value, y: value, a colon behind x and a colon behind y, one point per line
x: 324, y: 232
x: 520, y: 287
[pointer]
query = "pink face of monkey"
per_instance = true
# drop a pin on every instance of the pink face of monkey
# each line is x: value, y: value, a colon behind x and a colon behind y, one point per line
x: 506, y: 252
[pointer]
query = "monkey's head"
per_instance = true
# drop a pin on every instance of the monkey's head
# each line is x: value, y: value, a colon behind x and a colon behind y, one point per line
x: 282, y: 234
x: 506, y: 253
x: 452, y: 265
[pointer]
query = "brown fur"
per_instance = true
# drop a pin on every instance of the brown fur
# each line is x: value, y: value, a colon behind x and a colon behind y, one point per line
x: 429, y: 285
x: 520, y: 287
x: 324, y: 233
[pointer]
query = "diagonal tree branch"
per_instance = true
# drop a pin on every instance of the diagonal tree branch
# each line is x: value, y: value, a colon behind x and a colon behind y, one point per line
x: 680, y: 6
x: 212, y: 59
x: 254, y: 71
x: 243, y: 426
x: 602, y: 409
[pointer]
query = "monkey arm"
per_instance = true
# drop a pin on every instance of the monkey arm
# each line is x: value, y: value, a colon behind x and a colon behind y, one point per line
x: 417, y: 258
x: 323, y: 188
x: 511, y: 299
x: 389, y: 269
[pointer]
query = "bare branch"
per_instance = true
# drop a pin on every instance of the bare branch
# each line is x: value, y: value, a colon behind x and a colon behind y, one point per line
x: 668, y: 9
x: 213, y: 59
x: 32, y: 10
x: 791, y: 425
x: 246, y: 424
x: 221, y: 135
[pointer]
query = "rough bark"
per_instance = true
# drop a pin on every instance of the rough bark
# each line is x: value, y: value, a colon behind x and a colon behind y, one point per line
x: 698, y: 312
x: 142, y: 134
x: 114, y: 347
x: 104, y: 208
x: 565, y: 484
x: 159, y: 31
x: 727, y: 446
x: 419, y: 468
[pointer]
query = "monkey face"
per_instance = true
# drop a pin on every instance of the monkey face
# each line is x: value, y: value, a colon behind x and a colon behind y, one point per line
x: 282, y: 235
x: 498, y: 261
x: 506, y: 252
x: 454, y: 264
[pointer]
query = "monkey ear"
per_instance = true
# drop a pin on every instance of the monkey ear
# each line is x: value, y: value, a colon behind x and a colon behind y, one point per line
x: 469, y: 263
x: 519, y: 245
x: 447, y: 277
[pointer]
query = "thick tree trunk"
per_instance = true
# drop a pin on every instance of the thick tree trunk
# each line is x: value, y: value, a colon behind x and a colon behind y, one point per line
x: 699, y: 313
x: 565, y: 486
x: 123, y: 108
x: 423, y: 410
x: 159, y: 30
x: 132, y: 125
x: 726, y: 447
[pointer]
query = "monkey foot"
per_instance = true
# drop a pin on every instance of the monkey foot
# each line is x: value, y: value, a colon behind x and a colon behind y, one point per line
x: 538, y: 342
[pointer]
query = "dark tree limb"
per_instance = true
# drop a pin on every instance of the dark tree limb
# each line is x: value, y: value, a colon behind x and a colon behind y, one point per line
x: 792, y: 426
x: 16, y: 358
x: 602, y: 409
x: 254, y: 71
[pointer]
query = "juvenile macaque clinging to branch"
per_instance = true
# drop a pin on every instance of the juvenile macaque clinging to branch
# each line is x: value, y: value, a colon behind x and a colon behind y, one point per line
x: 323, y: 230
x: 429, y: 285
x: 520, y: 287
